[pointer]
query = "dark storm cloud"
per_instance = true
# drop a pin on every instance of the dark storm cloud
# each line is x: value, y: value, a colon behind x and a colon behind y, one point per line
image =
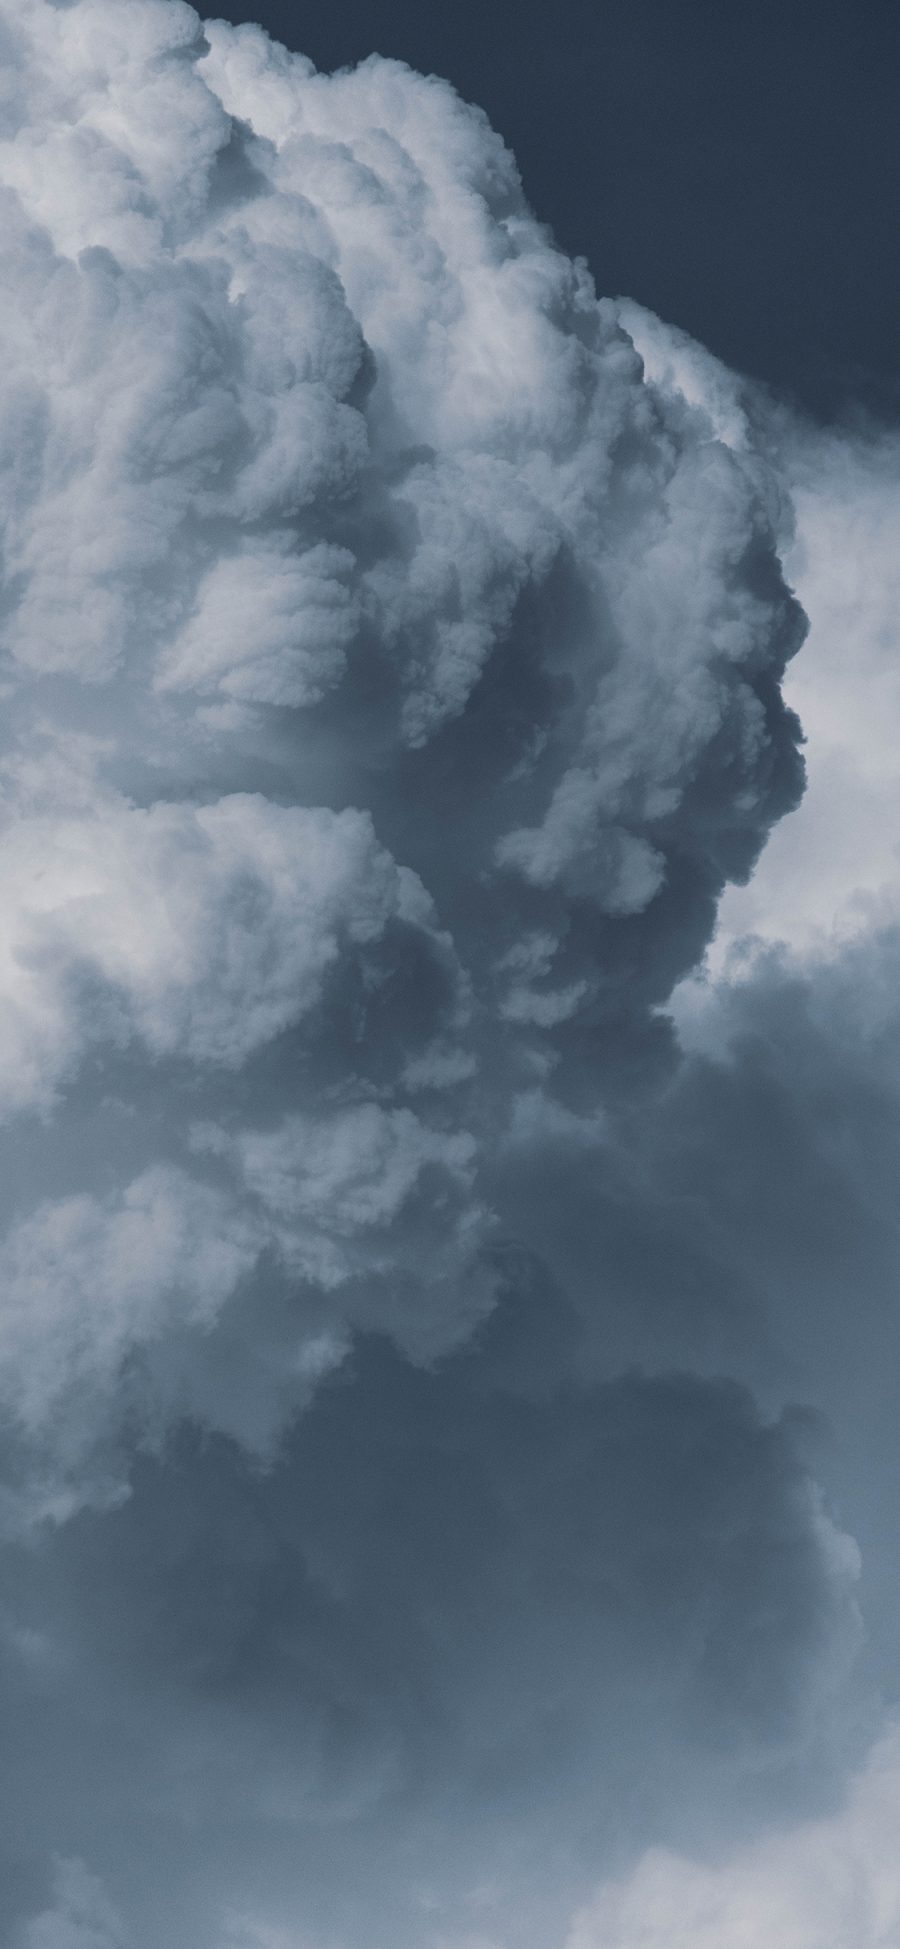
x: 788, y: 1141
x: 479, y: 1607
x: 780, y: 1140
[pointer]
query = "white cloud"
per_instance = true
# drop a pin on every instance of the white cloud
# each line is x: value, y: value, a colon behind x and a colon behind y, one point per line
x: 836, y: 860
x: 831, y: 869
x: 193, y: 373
x: 88, y: 1285
x: 270, y: 626
x: 204, y: 931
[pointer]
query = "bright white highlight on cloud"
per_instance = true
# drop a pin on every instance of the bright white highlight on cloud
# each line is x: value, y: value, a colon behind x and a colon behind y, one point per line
x: 833, y: 868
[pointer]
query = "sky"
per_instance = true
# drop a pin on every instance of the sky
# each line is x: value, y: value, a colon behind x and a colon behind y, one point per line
x: 449, y: 1039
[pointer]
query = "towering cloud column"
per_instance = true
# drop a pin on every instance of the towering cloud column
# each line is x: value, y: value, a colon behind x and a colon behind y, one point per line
x: 391, y: 684
x: 392, y: 637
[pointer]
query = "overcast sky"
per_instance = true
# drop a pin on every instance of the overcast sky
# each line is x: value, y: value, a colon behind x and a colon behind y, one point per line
x: 449, y: 1038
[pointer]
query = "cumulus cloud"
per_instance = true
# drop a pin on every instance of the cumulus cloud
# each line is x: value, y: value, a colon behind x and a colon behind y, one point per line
x: 391, y: 664
x: 392, y: 646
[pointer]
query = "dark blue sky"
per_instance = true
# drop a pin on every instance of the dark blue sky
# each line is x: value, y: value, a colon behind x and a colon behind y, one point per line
x: 734, y: 167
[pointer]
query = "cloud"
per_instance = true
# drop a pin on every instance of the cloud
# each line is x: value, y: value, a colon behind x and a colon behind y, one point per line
x: 86, y: 1286
x: 830, y: 1884
x: 391, y: 665
x: 404, y: 1491
x: 475, y: 1627
x: 829, y: 866
x: 200, y: 931
x: 269, y: 627
x: 81, y: 1919
x: 834, y: 862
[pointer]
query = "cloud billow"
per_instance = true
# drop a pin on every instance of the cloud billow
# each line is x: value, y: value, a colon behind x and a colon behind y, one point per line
x: 333, y: 494
x: 391, y: 661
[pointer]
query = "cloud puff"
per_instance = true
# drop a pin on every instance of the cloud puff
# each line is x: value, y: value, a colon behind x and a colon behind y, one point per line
x: 201, y: 931
x: 834, y: 863
x: 86, y: 1286
x: 334, y: 1187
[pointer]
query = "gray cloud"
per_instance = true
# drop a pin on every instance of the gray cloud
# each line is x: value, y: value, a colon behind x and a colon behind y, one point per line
x: 81, y: 1917
x: 477, y: 1610
x: 829, y: 1881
